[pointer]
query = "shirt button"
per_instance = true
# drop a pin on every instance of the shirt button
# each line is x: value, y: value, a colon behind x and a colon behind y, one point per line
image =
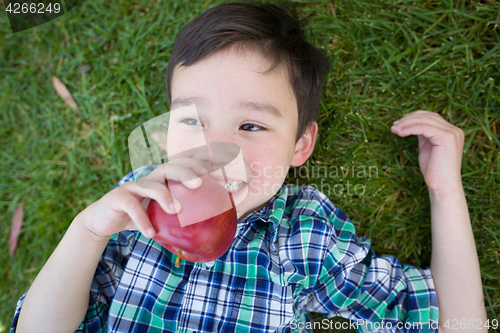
x: 210, y: 263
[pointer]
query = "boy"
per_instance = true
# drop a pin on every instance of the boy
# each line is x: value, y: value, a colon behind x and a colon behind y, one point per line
x: 256, y: 82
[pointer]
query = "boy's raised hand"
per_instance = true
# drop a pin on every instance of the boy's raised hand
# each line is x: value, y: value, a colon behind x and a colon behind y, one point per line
x: 122, y: 209
x: 440, y: 148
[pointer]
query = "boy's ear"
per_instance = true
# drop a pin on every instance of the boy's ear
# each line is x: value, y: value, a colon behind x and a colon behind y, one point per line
x: 305, y: 146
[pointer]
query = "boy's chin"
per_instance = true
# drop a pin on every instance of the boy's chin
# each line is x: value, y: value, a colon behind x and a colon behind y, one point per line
x: 243, y: 212
x: 250, y: 199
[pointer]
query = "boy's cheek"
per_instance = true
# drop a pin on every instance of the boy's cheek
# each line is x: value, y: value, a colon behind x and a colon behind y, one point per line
x: 267, y: 172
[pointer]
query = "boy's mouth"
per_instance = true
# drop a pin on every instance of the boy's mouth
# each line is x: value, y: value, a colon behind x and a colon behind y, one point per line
x: 234, y: 186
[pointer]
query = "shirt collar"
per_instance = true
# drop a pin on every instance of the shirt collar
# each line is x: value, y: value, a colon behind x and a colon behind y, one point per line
x: 273, y: 212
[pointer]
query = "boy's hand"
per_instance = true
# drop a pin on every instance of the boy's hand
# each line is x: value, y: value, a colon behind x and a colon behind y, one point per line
x: 440, y: 148
x: 121, y: 208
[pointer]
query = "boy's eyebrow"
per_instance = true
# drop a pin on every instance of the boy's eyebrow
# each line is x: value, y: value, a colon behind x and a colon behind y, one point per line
x: 251, y: 106
x: 261, y: 107
x: 179, y: 102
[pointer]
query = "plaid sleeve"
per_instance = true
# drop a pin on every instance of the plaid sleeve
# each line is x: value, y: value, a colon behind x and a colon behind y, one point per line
x: 106, y: 278
x: 16, y: 315
x: 108, y: 274
x: 378, y: 293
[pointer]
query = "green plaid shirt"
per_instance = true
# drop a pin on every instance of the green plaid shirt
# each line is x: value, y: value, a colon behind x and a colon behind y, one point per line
x: 298, y: 254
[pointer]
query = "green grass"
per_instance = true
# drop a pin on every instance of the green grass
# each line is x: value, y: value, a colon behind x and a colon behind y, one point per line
x: 388, y: 58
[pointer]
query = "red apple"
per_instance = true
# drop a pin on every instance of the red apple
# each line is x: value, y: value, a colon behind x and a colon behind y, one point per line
x: 202, y: 241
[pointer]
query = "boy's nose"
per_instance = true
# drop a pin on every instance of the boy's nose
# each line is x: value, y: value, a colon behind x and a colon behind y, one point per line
x: 219, y: 132
x: 223, y: 153
x: 217, y: 154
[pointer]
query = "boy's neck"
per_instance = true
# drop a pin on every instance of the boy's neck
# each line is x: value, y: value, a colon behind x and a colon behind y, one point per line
x: 254, y: 210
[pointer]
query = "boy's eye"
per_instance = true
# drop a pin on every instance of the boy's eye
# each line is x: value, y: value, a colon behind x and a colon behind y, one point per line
x: 191, y: 122
x: 246, y: 127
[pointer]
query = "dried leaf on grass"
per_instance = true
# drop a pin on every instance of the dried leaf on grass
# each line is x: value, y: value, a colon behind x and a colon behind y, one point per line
x: 63, y: 92
x: 17, y: 224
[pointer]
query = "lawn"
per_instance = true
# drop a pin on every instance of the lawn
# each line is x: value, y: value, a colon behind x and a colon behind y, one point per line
x: 388, y: 58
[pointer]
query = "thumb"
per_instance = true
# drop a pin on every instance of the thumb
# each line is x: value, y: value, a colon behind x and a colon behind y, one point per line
x: 421, y: 141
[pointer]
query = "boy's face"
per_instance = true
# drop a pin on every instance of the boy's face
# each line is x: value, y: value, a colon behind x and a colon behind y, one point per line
x: 257, y: 111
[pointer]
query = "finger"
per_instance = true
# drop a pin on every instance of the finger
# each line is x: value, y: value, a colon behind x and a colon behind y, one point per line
x: 191, y: 163
x: 130, y: 205
x: 184, y: 175
x: 156, y: 191
x: 168, y: 171
x: 428, y: 120
x: 423, y: 114
x: 438, y: 122
x: 436, y: 135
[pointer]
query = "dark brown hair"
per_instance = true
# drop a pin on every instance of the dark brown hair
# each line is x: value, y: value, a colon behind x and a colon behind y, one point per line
x: 273, y: 30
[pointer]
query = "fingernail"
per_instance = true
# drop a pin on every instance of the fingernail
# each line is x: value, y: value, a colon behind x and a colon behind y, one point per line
x: 150, y: 232
x: 399, y: 129
x: 194, y: 182
x: 204, y: 170
x: 177, y: 205
x: 397, y: 121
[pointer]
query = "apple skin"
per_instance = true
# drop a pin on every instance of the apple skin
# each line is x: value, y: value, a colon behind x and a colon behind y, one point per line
x: 202, y: 241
